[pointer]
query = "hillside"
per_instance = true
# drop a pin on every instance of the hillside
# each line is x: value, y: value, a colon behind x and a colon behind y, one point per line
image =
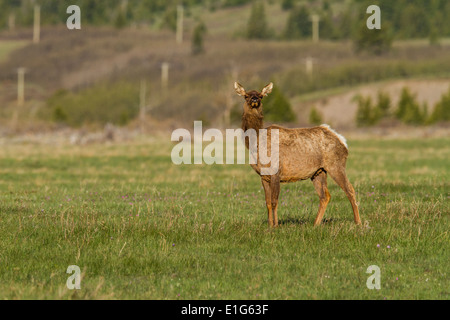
x: 339, y: 107
x: 102, y: 67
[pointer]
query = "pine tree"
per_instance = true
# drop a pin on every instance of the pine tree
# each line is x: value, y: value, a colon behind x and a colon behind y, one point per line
x: 326, y: 27
x: 120, y: 21
x: 376, y: 41
x: 170, y: 18
x: 364, y: 111
x: 277, y: 107
x: 257, y: 24
x: 298, y: 25
x: 410, y: 27
x: 197, y: 38
x: 441, y: 112
x: 383, y: 104
x: 287, y: 4
x: 408, y: 110
x: 406, y: 101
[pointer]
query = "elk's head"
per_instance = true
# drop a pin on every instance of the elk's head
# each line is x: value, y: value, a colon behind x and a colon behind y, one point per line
x: 253, y: 98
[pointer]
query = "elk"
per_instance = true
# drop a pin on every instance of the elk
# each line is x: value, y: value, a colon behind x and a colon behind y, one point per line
x: 303, y: 153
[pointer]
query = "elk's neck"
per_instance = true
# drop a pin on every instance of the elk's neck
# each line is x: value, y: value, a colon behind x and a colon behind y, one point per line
x: 252, y: 119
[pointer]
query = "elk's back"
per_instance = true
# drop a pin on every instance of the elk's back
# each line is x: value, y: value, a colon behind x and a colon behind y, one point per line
x: 303, y: 151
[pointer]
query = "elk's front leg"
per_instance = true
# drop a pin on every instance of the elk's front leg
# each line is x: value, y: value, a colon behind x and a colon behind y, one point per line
x: 275, y: 193
x: 268, y: 194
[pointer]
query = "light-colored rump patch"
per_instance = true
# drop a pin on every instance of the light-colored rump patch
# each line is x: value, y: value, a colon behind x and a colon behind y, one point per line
x: 340, y: 137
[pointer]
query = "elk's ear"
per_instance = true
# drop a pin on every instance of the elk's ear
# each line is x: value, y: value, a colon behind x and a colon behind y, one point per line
x: 267, y: 89
x: 239, y: 89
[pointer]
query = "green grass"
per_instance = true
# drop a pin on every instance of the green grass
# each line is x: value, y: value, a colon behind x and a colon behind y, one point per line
x: 8, y: 46
x: 140, y: 227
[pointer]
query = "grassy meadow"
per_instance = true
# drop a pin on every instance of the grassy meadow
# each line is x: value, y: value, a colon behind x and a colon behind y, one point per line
x: 8, y: 46
x: 140, y: 227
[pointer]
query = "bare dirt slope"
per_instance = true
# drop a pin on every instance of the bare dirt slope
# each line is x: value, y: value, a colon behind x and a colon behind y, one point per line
x: 339, y: 109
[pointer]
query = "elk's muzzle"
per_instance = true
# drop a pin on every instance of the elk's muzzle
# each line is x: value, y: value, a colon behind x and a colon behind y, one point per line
x: 255, y: 103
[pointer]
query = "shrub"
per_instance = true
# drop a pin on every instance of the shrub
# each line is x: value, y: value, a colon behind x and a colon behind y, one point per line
x: 233, y: 3
x: 298, y: 25
x: 287, y: 4
x: 327, y: 28
x: 277, y: 107
x: 295, y: 80
x: 197, y: 38
x: 169, y: 19
x: 364, y: 113
x: 383, y: 104
x: 120, y: 22
x: 376, y: 41
x: 441, y: 111
x: 408, y: 110
x: 115, y: 103
x: 315, y: 117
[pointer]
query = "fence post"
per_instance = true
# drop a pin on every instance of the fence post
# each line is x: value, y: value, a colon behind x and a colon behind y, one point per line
x: 165, y: 75
x: 309, y: 66
x: 142, y: 103
x: 20, y: 86
x: 180, y: 16
x: 37, y: 24
x: 315, y: 27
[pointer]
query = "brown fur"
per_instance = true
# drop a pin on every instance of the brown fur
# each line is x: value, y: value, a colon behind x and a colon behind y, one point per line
x: 304, y: 153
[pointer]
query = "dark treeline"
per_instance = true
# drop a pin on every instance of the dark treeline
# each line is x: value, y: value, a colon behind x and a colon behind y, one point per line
x: 405, y: 18
x: 102, y: 12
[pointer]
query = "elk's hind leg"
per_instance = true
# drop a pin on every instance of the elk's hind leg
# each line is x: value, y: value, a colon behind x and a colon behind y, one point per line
x: 320, y: 184
x: 341, y: 179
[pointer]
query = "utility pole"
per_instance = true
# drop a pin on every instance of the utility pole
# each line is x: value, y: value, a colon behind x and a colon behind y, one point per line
x: 180, y: 16
x: 37, y: 24
x: 315, y: 27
